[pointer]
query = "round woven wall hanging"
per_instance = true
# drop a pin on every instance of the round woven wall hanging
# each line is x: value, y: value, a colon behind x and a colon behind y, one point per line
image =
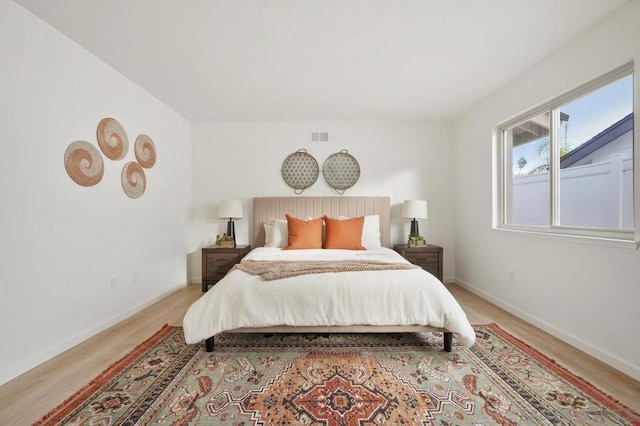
x: 145, y: 151
x: 341, y: 171
x: 134, y: 180
x: 112, y: 139
x: 300, y: 170
x: 84, y: 163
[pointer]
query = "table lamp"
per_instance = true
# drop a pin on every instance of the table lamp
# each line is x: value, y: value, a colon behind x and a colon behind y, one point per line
x: 414, y: 209
x: 231, y: 209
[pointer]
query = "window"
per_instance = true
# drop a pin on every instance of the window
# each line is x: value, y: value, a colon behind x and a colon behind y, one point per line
x: 567, y: 166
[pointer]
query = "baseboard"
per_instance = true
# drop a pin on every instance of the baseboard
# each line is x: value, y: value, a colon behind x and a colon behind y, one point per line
x: 58, y: 348
x: 601, y: 354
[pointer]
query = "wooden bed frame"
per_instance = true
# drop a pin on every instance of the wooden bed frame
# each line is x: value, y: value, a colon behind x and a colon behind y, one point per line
x: 267, y: 208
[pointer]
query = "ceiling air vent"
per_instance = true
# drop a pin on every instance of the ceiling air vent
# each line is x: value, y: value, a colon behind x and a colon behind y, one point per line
x: 319, y: 137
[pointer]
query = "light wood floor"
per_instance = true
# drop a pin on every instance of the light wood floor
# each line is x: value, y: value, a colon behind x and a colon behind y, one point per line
x: 28, y: 397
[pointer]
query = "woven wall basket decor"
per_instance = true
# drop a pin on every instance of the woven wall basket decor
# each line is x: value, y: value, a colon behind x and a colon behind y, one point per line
x: 145, y: 151
x: 134, y: 181
x: 341, y: 171
x: 83, y: 163
x: 300, y: 170
x: 112, y: 139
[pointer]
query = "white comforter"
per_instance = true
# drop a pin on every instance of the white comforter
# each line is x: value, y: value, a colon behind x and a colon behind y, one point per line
x: 394, y: 297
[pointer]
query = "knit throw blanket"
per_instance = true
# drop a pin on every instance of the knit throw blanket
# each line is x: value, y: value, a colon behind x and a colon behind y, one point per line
x: 274, y: 270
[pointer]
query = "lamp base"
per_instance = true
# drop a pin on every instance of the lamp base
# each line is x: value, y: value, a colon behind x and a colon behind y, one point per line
x: 414, y: 229
x: 231, y: 231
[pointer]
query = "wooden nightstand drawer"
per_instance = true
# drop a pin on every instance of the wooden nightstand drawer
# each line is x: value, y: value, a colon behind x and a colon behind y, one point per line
x: 217, y: 261
x: 216, y: 274
x: 428, y: 257
x: 433, y: 269
x: 423, y: 259
x: 222, y: 259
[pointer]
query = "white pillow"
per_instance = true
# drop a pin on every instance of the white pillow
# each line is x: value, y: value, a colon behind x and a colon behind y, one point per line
x: 276, y: 233
x: 268, y: 235
x: 370, y: 231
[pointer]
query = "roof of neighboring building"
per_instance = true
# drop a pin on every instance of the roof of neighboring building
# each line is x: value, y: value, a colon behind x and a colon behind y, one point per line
x: 606, y: 136
x: 534, y: 128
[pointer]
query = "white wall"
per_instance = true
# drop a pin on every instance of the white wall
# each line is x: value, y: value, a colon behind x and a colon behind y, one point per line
x: 62, y: 244
x: 585, y: 294
x: 241, y: 160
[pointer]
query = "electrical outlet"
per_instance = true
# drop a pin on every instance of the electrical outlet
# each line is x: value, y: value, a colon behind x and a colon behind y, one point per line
x: 114, y: 284
x: 134, y: 278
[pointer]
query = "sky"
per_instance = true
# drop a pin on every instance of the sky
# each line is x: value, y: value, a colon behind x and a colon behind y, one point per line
x: 588, y: 116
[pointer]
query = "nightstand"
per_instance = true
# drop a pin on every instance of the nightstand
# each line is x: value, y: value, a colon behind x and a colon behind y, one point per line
x: 428, y: 257
x: 217, y: 261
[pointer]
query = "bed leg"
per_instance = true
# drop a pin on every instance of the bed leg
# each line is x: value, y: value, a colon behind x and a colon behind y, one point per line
x: 448, y: 341
x: 208, y: 344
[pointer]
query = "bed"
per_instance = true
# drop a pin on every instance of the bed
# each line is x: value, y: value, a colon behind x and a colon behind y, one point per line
x: 374, y: 291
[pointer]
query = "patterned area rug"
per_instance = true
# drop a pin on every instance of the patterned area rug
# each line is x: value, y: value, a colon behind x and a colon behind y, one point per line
x: 339, y: 380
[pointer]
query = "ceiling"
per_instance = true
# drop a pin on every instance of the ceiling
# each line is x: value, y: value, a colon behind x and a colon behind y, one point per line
x: 213, y: 60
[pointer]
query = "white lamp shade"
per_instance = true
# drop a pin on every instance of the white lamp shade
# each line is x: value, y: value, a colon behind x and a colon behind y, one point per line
x: 414, y: 209
x: 230, y: 209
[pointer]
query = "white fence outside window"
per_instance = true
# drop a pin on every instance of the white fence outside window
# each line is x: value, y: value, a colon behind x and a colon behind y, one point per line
x: 595, y: 195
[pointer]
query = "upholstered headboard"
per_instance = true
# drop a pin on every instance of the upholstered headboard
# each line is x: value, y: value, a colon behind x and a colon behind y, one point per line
x: 267, y: 208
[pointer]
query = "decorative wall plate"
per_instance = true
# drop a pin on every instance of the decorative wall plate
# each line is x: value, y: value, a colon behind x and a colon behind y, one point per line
x: 145, y: 151
x: 112, y: 139
x: 84, y: 163
x: 341, y: 171
x: 300, y: 170
x: 134, y: 180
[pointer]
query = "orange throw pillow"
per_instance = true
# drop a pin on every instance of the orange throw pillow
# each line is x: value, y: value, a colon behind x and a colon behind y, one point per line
x: 304, y: 234
x: 344, y: 234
